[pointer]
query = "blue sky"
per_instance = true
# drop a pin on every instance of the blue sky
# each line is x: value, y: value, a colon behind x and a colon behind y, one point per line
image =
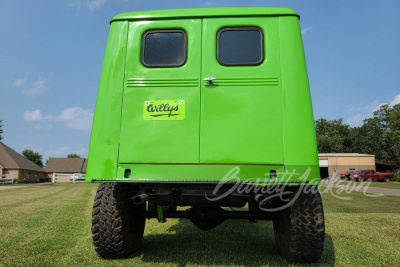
x: 51, y: 55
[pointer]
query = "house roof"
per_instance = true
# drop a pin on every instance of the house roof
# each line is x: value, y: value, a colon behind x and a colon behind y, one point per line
x: 344, y: 155
x: 67, y: 165
x: 10, y: 159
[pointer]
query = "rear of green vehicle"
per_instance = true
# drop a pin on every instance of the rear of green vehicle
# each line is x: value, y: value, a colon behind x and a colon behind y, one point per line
x: 194, y: 107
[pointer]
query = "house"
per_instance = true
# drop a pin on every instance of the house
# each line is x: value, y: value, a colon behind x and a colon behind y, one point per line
x: 65, y: 165
x: 11, y: 162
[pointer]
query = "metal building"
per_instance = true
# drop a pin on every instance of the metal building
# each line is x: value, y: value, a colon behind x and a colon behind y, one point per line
x: 330, y: 163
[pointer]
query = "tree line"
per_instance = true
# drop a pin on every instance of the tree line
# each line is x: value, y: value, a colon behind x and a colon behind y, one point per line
x: 379, y: 135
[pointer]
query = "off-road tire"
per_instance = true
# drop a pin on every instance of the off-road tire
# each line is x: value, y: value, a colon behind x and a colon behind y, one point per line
x: 386, y: 179
x: 117, y: 224
x: 300, y: 232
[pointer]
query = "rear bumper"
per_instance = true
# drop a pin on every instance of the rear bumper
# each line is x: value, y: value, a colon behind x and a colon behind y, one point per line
x: 214, y: 174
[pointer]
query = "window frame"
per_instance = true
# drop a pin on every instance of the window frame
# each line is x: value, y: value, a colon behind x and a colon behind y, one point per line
x: 164, y: 65
x: 241, y: 29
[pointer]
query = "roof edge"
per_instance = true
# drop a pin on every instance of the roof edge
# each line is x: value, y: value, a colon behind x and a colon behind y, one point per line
x: 344, y: 155
x: 205, y: 12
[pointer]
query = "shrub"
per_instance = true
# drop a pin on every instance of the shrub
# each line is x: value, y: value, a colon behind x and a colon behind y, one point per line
x: 23, y: 181
x: 397, y: 177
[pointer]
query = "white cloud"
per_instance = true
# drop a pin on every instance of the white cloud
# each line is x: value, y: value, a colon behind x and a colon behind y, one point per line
x: 305, y: 30
x: 35, y: 115
x: 356, y: 120
x: 363, y: 112
x: 19, y: 82
x: 64, y: 151
x: 59, y: 151
x: 395, y: 101
x: 38, y: 87
x: 27, y: 146
x: 77, y: 4
x: 94, y: 5
x: 367, y: 111
x: 44, y: 127
x: 75, y: 118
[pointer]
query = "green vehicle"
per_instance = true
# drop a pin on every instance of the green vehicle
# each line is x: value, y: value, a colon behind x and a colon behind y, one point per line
x: 208, y: 110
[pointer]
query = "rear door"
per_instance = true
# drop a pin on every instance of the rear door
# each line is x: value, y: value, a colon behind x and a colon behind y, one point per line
x: 161, y: 100
x: 241, y: 111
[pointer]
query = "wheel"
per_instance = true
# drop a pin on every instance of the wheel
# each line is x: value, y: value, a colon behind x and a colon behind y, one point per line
x: 360, y: 179
x: 117, y: 224
x: 387, y: 179
x: 300, y: 232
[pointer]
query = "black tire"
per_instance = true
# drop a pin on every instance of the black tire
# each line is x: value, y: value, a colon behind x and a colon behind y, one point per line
x: 386, y: 179
x: 300, y: 233
x: 117, y: 224
x: 360, y: 179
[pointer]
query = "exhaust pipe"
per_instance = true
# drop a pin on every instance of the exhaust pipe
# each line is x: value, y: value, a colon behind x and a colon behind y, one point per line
x: 140, y: 199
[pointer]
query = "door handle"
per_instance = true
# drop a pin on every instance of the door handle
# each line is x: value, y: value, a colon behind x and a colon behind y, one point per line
x: 209, y: 80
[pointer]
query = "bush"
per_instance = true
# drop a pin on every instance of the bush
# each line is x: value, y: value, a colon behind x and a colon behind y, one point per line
x: 397, y: 177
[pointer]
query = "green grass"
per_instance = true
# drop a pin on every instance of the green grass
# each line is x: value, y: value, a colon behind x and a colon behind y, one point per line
x: 393, y: 185
x: 50, y: 225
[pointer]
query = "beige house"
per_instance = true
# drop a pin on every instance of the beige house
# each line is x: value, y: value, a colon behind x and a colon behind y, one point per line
x: 11, y: 162
x: 65, y: 166
x: 344, y: 162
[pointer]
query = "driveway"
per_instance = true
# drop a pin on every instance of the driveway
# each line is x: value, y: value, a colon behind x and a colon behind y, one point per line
x: 362, y: 188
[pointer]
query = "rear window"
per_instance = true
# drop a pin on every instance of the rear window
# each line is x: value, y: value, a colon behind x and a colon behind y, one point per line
x: 164, y: 48
x: 240, y: 46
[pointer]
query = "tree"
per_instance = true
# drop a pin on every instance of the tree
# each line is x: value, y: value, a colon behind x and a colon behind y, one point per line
x: 367, y: 138
x: 1, y: 130
x: 73, y: 156
x: 333, y: 136
x: 391, y: 136
x: 379, y: 135
x: 35, y: 157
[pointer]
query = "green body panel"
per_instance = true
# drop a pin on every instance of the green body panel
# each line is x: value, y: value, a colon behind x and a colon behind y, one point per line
x: 144, y: 141
x: 241, y: 112
x: 254, y: 119
x: 300, y: 143
x: 104, y: 140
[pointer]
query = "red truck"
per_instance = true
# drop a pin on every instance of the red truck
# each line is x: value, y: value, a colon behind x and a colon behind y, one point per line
x: 348, y: 174
x: 372, y: 175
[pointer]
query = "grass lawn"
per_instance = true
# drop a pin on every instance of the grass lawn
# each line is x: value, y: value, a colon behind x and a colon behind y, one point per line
x: 393, y: 185
x: 50, y: 225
